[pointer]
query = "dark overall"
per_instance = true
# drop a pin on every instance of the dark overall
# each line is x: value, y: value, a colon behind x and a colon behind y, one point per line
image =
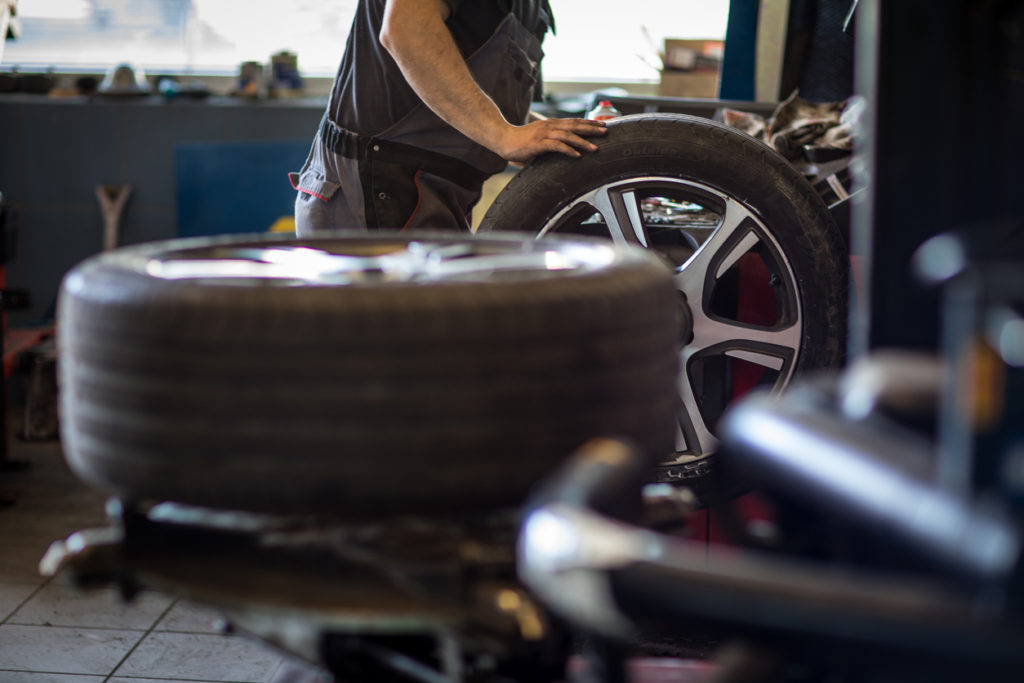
x: 419, y: 172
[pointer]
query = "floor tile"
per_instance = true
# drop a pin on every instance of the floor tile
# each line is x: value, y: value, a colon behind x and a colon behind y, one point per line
x: 11, y: 597
x: 63, y: 650
x: 25, y: 526
x: 49, y: 503
x: 201, y: 657
x: 78, y: 507
x: 188, y: 617
x: 59, y: 605
x: 120, y: 679
x: 19, y: 563
x: 32, y: 677
x: 297, y: 671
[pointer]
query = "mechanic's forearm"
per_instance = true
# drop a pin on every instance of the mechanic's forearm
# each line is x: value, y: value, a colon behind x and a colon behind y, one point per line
x: 421, y: 44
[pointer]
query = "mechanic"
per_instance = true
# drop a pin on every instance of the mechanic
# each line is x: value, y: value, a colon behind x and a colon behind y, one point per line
x: 431, y: 98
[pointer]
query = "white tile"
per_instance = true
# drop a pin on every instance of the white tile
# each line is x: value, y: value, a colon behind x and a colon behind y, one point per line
x: 120, y: 679
x: 11, y: 597
x: 298, y: 671
x: 188, y: 617
x: 34, y: 677
x: 60, y: 605
x: 200, y: 657
x: 63, y: 650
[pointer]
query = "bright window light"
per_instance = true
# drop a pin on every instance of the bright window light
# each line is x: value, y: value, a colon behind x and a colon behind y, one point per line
x: 54, y: 9
x: 615, y: 41
x: 596, y: 40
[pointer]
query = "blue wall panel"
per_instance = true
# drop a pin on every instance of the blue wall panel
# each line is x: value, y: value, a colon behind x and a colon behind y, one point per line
x: 738, y: 63
x: 235, y: 187
x: 234, y: 159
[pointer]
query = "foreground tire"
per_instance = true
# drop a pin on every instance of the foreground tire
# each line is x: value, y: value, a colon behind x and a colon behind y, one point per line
x: 753, y: 249
x: 359, y: 375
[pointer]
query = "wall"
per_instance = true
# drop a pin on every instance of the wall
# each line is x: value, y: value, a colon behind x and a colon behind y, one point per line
x: 53, y: 152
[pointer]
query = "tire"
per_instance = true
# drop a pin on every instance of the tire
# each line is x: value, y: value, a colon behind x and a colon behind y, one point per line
x: 359, y: 375
x: 754, y: 252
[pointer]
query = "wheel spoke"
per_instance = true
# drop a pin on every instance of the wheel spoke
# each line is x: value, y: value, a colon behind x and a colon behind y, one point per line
x: 693, y: 436
x: 694, y: 273
x: 748, y: 242
x: 763, y: 346
x: 769, y: 348
x: 758, y: 357
x: 710, y: 333
x: 718, y: 342
x: 621, y: 213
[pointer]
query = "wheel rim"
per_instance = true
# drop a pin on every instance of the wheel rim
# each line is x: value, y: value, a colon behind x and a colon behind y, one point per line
x: 732, y: 275
x: 377, y: 261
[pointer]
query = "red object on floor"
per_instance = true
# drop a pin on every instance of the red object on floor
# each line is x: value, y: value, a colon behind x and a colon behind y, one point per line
x: 667, y: 670
x: 656, y: 670
x: 20, y: 340
x: 705, y: 524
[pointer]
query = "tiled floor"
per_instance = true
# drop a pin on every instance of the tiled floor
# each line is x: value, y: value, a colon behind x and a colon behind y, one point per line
x: 51, y: 633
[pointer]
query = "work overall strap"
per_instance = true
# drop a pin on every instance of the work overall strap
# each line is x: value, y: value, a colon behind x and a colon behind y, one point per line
x: 367, y: 149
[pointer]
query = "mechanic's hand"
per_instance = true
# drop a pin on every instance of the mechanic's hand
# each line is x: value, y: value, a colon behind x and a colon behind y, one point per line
x: 521, y: 144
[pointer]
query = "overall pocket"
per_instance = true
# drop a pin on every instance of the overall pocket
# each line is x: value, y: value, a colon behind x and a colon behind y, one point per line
x: 312, y: 185
x: 313, y: 207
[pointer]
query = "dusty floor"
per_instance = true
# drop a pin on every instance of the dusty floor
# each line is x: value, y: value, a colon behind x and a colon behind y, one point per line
x: 51, y: 633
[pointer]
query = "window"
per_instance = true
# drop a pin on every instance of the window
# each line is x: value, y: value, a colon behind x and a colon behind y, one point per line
x: 180, y: 36
x: 596, y: 41
x: 621, y: 41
